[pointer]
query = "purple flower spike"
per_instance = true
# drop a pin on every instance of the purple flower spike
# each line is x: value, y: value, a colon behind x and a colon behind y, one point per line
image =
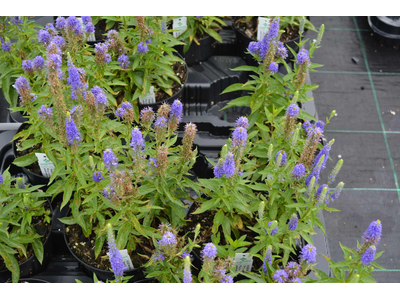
x: 73, y: 135
x: 117, y: 263
x: 168, y: 239
x: 97, y: 177
x: 298, y: 171
x: 293, y: 110
x: 110, y: 160
x: 273, y: 67
x: 229, y: 165
x: 143, y: 48
x: 308, y: 254
x: 123, y: 61
x: 280, y: 276
x: 373, y: 234
x: 293, y: 222
x: 209, y: 252
x: 176, y: 110
x: 368, y: 256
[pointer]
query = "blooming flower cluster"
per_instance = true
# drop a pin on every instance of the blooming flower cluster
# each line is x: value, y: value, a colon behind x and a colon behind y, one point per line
x: 117, y: 263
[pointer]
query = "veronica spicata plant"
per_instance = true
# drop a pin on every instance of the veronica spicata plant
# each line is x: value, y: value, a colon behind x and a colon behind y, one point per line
x: 23, y: 219
x: 199, y: 27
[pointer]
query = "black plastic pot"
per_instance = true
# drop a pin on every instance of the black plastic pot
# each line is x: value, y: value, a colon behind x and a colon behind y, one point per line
x: 35, y: 179
x: 169, y: 100
x: 104, y: 275
x: 198, y: 53
x: 32, y: 280
x: 17, y: 117
x: 387, y: 28
x: 243, y: 42
x: 32, y: 266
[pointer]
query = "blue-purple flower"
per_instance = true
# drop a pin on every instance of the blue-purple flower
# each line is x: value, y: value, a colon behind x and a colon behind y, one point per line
x: 1, y: 178
x: 60, y: 23
x: 306, y: 124
x: 292, y: 269
x: 97, y: 177
x: 137, y: 141
x: 373, y: 234
x: 280, y: 276
x: 161, y: 122
x: 45, y: 112
x: 176, y: 110
x: 38, y: 62
x: 123, y: 61
x: 209, y: 252
x: 229, y: 165
x: 74, y: 80
x: 110, y: 160
x: 100, y: 98
x: 116, y: 261
x: 308, y: 254
x: 242, y: 122
x: 73, y: 135
x: 218, y: 170
x: 273, y: 67
x: 239, y: 137
x: 109, y: 192
x: 44, y: 36
x: 298, y: 171
x: 187, y: 275
x: 283, y: 160
x: 143, y: 48
x: 73, y: 24
x: 6, y: 46
x: 227, y: 279
x: 320, y: 124
x: 168, y: 239
x: 302, y: 57
x: 281, y: 50
x: 100, y: 50
x: 368, y: 256
x: 267, y: 259
x: 275, y: 230
x: 27, y: 66
x: 293, y: 222
x: 293, y: 110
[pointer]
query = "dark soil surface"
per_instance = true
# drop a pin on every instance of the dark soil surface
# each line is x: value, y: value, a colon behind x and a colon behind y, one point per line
x: 250, y: 29
x: 42, y: 229
x: 83, y: 247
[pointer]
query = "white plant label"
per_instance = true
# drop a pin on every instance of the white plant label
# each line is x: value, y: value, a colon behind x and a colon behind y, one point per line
x: 127, y: 260
x: 263, y: 27
x: 150, y: 98
x: 45, y: 164
x: 91, y: 37
x: 243, y: 262
x: 180, y: 25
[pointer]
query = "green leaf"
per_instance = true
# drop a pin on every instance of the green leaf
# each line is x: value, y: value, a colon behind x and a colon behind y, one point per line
x: 246, y: 68
x: 206, y: 206
x: 68, y: 220
x: 11, y: 263
x: 238, y: 87
x: 38, y: 249
x: 253, y: 276
x: 25, y: 160
x: 213, y: 34
x: 99, y: 244
x: 258, y: 187
x: 123, y: 235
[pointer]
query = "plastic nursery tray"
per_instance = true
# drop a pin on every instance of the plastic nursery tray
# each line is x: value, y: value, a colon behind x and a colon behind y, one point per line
x: 207, y: 80
x: 228, y: 45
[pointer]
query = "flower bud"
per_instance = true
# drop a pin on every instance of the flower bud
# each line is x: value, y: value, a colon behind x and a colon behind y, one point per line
x: 311, y: 186
x: 91, y: 162
x: 270, y: 149
x: 335, y: 171
x: 261, y: 208
x: 322, y: 196
x: 320, y: 34
x: 197, y: 229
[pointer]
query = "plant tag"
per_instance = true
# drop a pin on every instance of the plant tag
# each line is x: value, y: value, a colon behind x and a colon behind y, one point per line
x: 150, y: 98
x: 91, y: 37
x: 263, y: 27
x: 180, y: 25
x: 127, y: 260
x: 243, y: 262
x: 45, y: 164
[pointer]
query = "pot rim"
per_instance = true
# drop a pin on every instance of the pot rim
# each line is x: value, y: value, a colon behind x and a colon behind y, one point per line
x: 128, y: 273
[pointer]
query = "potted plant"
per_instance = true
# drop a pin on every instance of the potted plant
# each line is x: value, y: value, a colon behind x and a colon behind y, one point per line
x: 292, y: 27
x: 199, y: 37
x: 25, y: 228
